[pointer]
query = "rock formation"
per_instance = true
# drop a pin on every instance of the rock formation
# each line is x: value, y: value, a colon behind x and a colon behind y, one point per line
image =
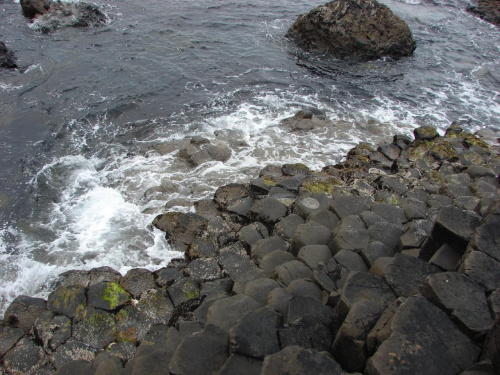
x: 386, y: 263
x: 360, y: 29
x: 7, y: 59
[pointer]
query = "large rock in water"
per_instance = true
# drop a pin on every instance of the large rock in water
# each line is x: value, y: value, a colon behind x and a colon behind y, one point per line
x: 53, y: 15
x: 363, y: 29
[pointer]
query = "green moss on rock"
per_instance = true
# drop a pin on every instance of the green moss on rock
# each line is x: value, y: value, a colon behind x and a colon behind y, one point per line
x: 444, y: 152
x: 318, y: 185
x: 115, y: 295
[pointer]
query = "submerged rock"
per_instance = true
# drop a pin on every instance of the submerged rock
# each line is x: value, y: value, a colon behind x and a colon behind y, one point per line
x: 363, y: 29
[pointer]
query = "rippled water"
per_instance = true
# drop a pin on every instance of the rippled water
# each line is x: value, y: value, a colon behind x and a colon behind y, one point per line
x: 90, y: 125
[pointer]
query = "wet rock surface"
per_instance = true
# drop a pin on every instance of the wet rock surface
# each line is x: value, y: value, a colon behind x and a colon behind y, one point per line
x: 384, y: 272
x: 353, y: 29
x: 53, y: 15
x: 7, y: 59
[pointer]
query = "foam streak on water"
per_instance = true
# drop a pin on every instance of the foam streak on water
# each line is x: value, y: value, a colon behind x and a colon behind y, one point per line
x: 98, y: 117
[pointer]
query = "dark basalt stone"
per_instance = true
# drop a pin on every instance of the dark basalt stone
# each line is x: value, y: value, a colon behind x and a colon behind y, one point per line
x: 7, y: 59
x: 354, y: 29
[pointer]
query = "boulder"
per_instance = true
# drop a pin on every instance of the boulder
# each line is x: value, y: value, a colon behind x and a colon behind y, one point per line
x: 488, y: 10
x: 481, y: 268
x: 203, y: 269
x: 202, y: 353
x: 462, y: 299
x: 259, y: 289
x: 349, y: 347
x: 96, y: 328
x: 67, y: 300
x: 235, y: 261
x: 24, y: 358
x: 137, y: 281
x: 295, y: 360
x: 73, y: 350
x: 225, y: 312
x: 107, y: 296
x: 24, y: 310
x: 255, y: 335
x: 52, y: 330
x: 268, y: 210
x: 287, y: 272
x: 32, y: 8
x: 308, y: 333
x: 346, y: 205
x: 9, y: 336
x: 307, y: 234
x: 300, y: 306
x: 286, y: 227
x: 406, y: 273
x: 7, y: 59
x: 267, y: 245
x: 156, y: 305
x: 354, y: 29
x: 61, y: 14
x: 423, y: 341
x: 241, y: 365
x: 363, y: 286
x: 313, y: 255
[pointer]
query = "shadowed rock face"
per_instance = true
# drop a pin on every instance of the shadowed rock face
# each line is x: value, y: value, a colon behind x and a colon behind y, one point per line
x: 488, y: 10
x: 361, y: 29
x: 7, y: 59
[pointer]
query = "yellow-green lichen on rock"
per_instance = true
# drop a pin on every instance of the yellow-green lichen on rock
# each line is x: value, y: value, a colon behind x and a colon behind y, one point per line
x: 444, y: 151
x: 190, y: 291
x: 67, y: 300
x: 115, y: 295
x: 322, y: 185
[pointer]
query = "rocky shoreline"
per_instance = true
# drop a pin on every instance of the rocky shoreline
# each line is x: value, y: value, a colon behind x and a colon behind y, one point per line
x: 387, y: 263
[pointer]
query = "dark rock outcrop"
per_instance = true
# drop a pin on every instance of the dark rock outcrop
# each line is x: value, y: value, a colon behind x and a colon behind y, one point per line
x: 488, y: 10
x: 7, y: 59
x: 363, y: 29
x: 52, y: 15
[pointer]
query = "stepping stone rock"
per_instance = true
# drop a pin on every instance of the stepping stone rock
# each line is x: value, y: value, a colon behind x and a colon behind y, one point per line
x: 274, y: 259
x: 312, y: 255
x: 286, y: 227
x: 94, y: 327
x: 363, y: 286
x: 295, y: 360
x: 308, y: 333
x: 375, y: 250
x: 67, y: 300
x: 201, y: 353
x: 481, y: 268
x: 255, y: 335
x: 278, y: 300
x: 203, y: 269
x: 300, y: 306
x: 183, y: 290
x: 324, y: 218
x: 385, y: 232
x: 349, y: 347
x: 104, y: 274
x: 241, y: 365
x: 107, y: 296
x: 427, y: 133
x: 417, y: 232
x: 235, y: 261
x: 225, y: 312
x: 52, y: 330
x: 266, y: 246
x: 351, y: 261
x: 306, y: 205
x: 268, y: 210
x: 24, y: 358
x: 393, y: 214
x: 462, y: 299
x: 487, y: 240
x: 350, y: 234
x: 349, y: 205
x: 304, y: 288
x: 24, y: 310
x: 73, y: 350
x: 167, y: 275
x: 416, y: 344
x: 407, y: 273
x: 137, y: 281
x: 307, y: 234
x: 9, y: 336
x: 156, y: 305
x: 259, y: 289
x: 452, y: 226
